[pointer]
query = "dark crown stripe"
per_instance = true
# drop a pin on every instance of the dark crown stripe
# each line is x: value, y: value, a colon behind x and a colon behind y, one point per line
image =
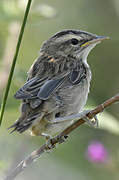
x: 62, y: 33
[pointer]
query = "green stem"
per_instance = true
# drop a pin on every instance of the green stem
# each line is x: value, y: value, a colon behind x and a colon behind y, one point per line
x: 14, y: 61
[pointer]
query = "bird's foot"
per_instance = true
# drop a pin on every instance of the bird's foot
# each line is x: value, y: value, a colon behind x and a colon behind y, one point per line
x: 62, y: 139
x: 49, y: 144
x: 49, y: 141
x: 91, y: 122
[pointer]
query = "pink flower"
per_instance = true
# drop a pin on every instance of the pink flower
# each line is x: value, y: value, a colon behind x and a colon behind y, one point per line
x: 96, y: 152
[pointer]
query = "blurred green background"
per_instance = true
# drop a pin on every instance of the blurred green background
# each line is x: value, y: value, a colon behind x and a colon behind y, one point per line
x: 71, y: 161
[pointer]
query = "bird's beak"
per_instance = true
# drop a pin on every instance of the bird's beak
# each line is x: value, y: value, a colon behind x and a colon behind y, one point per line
x: 95, y: 40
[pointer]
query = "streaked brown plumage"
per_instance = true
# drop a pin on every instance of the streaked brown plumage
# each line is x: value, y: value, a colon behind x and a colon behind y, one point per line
x: 58, y: 83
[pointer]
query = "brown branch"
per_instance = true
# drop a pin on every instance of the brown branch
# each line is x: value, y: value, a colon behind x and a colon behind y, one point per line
x: 57, y: 139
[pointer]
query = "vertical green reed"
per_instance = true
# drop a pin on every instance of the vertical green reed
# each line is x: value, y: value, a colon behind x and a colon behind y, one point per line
x: 14, y: 61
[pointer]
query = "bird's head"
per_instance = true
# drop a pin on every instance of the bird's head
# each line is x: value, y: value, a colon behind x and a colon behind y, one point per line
x: 73, y: 43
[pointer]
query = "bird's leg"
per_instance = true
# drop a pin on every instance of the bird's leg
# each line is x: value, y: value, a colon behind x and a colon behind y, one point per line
x: 49, y: 143
x: 50, y: 146
x: 75, y: 117
x: 93, y: 122
x: 47, y: 136
x: 60, y: 120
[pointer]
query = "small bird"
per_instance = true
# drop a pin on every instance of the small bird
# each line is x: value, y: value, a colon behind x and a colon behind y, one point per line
x: 58, y: 83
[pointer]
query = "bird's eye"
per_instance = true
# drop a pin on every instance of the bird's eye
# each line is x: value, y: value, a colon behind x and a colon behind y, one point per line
x: 74, y: 41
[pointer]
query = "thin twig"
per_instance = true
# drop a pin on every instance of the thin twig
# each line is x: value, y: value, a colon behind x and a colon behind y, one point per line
x: 57, y: 139
x: 14, y: 60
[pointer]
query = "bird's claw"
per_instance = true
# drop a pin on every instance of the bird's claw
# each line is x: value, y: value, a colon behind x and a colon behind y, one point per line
x: 93, y: 122
x: 62, y: 139
x: 50, y: 145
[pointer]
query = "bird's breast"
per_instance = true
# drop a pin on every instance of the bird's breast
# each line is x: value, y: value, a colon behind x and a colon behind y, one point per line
x: 74, y: 97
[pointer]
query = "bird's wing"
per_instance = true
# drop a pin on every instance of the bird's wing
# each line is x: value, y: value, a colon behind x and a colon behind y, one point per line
x: 49, y: 87
x: 30, y: 89
x: 44, y: 77
x: 34, y: 91
x: 39, y: 88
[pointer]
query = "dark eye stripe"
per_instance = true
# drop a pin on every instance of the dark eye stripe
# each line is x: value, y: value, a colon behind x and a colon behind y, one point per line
x: 75, y: 41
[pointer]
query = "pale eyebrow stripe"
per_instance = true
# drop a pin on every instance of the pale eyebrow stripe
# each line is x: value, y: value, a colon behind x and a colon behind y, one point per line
x: 67, y: 37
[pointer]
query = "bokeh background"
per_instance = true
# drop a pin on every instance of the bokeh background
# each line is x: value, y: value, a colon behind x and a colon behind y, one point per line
x: 89, y: 154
